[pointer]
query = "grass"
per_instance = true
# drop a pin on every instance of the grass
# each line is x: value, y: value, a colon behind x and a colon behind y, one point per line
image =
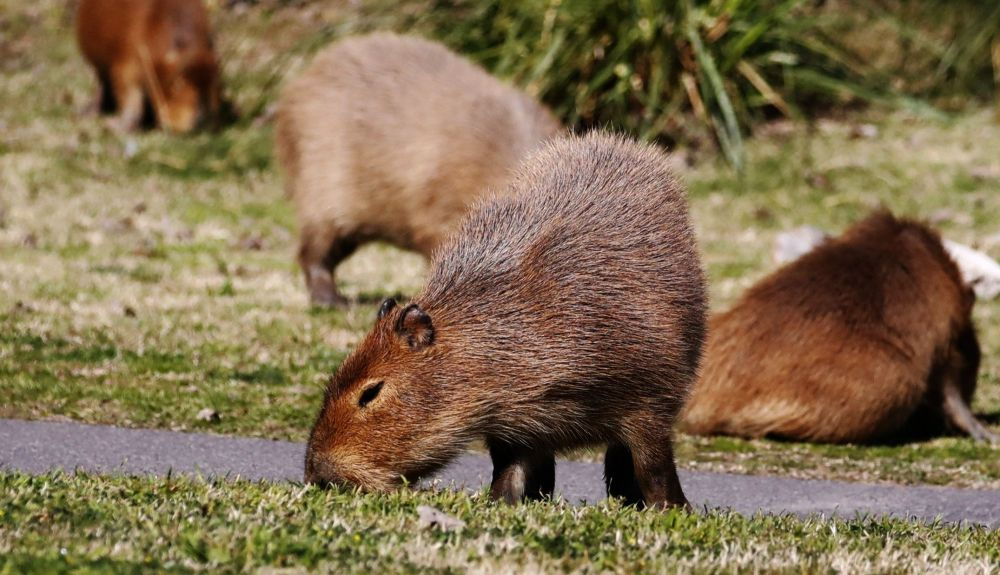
x: 62, y: 523
x: 145, y: 278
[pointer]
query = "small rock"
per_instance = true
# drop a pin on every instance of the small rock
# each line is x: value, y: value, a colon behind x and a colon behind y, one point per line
x: 793, y: 244
x: 431, y: 518
x: 210, y: 415
x: 865, y: 131
x: 978, y: 269
x: 129, y: 311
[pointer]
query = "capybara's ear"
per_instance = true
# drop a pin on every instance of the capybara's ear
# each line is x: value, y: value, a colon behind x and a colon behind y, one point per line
x: 388, y: 304
x: 414, y: 326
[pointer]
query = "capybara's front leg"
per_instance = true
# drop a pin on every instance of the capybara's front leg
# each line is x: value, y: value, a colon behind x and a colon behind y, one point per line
x: 319, y: 255
x: 655, y: 471
x: 521, y: 473
x: 619, y: 474
x: 126, y: 85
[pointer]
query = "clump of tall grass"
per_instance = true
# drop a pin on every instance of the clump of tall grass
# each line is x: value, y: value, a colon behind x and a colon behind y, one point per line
x: 643, y: 65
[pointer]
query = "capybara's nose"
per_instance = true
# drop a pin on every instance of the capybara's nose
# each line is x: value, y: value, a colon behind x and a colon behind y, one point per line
x: 318, y: 471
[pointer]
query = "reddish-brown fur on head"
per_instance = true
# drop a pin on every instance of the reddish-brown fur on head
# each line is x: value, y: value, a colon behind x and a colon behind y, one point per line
x: 866, y: 338
x: 568, y: 310
x: 392, y: 138
x: 152, y: 54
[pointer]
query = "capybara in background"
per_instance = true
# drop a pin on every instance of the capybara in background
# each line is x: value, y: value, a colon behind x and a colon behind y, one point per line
x: 391, y: 138
x: 867, y: 338
x: 154, y: 61
x: 568, y: 310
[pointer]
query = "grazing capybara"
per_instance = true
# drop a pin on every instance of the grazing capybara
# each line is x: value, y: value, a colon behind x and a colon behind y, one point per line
x: 154, y: 61
x: 867, y: 338
x: 391, y: 138
x: 568, y: 310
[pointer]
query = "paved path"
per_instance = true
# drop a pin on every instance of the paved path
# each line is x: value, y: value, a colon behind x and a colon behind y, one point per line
x: 37, y: 447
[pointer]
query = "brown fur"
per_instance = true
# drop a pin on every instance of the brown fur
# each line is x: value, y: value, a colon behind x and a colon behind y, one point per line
x: 567, y: 311
x: 153, y: 58
x: 867, y: 338
x: 392, y: 138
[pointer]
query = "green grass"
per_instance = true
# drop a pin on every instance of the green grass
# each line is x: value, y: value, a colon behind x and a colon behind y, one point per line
x: 130, y: 295
x: 62, y: 523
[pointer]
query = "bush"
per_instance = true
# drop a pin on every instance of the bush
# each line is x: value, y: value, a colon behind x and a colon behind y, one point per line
x: 647, y: 65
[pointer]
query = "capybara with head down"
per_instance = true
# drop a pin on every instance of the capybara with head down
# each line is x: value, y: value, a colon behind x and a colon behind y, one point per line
x: 392, y: 138
x: 568, y: 310
x: 867, y: 338
x: 154, y: 61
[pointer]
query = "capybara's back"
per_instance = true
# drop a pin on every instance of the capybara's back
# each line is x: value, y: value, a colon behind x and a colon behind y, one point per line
x: 154, y: 59
x: 867, y: 338
x: 391, y: 138
x: 567, y: 311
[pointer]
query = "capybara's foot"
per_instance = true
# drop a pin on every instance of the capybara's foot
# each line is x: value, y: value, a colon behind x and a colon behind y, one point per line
x: 322, y: 289
x: 327, y: 299
x: 520, y: 473
x: 656, y: 473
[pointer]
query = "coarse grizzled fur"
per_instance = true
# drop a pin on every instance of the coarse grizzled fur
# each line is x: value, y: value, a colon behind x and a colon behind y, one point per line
x: 568, y: 310
x: 869, y: 337
x: 392, y: 138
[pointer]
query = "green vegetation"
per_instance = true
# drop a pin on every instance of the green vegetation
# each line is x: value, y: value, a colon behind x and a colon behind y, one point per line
x: 649, y: 66
x: 145, y: 278
x: 60, y: 523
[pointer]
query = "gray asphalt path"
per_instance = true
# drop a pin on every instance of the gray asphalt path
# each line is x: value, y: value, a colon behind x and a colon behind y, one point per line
x: 40, y: 446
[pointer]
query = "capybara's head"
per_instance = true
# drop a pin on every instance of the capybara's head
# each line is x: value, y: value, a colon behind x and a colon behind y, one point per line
x: 190, y: 90
x: 186, y: 87
x: 385, y: 418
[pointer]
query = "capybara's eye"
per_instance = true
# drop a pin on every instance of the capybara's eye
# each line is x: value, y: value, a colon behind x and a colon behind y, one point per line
x: 369, y: 394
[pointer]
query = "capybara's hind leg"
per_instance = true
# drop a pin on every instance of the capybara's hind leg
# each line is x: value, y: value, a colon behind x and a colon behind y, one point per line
x: 319, y: 255
x: 958, y: 385
x: 655, y: 471
x: 521, y: 473
x: 619, y: 474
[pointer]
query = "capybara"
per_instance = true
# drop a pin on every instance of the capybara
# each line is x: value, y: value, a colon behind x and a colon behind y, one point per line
x: 154, y: 61
x: 867, y: 338
x: 391, y: 138
x: 568, y: 310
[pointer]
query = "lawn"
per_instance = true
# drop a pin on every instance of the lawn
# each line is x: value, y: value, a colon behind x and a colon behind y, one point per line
x: 60, y: 523
x: 146, y: 278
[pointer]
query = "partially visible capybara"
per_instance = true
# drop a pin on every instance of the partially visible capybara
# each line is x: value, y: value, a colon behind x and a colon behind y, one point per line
x: 154, y: 61
x: 391, y: 138
x: 567, y: 311
x: 869, y: 337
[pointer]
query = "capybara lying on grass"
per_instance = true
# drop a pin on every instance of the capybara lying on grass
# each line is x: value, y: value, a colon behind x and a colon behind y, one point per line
x: 567, y: 311
x: 154, y: 61
x: 869, y: 337
x: 391, y: 138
